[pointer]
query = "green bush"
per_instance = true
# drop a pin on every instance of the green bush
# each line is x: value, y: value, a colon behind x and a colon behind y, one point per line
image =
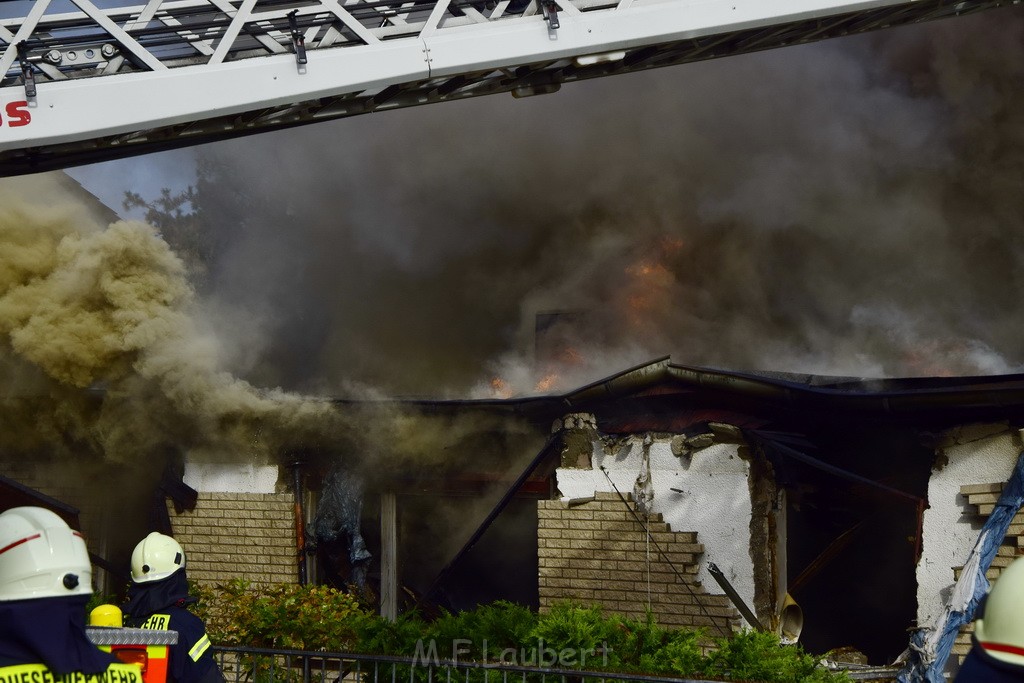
x: 502, y: 624
x: 483, y: 633
x: 680, y: 654
x: 757, y: 656
x: 384, y: 637
x: 581, y: 629
x: 285, y: 616
x: 323, y: 618
x: 635, y: 640
x: 97, y: 599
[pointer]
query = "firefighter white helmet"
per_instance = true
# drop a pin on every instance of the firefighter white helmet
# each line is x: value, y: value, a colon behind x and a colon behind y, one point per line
x: 156, y: 557
x: 1000, y: 630
x: 41, y: 556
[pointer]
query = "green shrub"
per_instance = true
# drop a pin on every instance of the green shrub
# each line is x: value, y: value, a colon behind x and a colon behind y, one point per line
x: 284, y: 616
x: 758, y: 656
x: 680, y: 654
x: 323, y: 618
x: 483, y: 633
x: 97, y: 599
x: 384, y: 637
x: 502, y: 624
x: 580, y: 629
x: 636, y: 640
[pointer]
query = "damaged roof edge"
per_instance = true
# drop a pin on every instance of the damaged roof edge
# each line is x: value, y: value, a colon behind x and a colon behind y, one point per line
x: 902, y: 396
x: 637, y: 377
x: 889, y: 396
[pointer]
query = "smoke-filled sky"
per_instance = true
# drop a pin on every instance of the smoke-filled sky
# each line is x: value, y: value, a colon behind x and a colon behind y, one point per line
x: 852, y: 207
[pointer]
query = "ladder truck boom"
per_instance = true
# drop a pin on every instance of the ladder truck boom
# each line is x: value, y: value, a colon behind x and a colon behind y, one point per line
x: 83, y: 81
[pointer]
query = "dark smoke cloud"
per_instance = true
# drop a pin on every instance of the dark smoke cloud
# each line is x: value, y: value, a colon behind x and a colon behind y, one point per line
x: 99, y: 350
x: 850, y: 207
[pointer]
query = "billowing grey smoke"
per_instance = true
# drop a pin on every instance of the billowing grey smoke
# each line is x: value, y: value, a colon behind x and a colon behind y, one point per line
x: 850, y: 207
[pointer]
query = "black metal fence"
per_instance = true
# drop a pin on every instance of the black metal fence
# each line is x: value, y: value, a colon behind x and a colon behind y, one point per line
x: 254, y: 665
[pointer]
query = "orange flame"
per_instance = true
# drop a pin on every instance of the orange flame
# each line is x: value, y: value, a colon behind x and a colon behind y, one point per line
x: 649, y: 286
x: 500, y: 388
x: 547, y: 382
x: 570, y: 356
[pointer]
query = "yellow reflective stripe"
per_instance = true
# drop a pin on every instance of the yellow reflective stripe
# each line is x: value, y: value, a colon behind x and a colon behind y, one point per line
x: 38, y: 673
x: 27, y: 673
x: 201, y: 646
x: 123, y: 673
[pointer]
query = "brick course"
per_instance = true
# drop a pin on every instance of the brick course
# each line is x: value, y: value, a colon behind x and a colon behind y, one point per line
x: 598, y: 553
x: 980, y: 500
x: 249, y: 536
x: 229, y: 535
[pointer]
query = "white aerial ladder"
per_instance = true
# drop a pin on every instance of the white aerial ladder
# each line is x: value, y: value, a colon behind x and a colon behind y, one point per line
x: 90, y: 80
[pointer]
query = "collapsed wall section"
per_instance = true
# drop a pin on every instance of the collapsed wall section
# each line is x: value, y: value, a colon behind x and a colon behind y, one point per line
x: 969, y: 455
x: 598, y: 553
x: 980, y: 501
x: 699, y: 483
x: 974, y: 461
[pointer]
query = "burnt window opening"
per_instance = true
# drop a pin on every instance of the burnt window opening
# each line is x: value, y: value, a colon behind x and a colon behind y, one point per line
x: 502, y: 565
x: 434, y: 519
x: 337, y: 537
x: 852, y: 548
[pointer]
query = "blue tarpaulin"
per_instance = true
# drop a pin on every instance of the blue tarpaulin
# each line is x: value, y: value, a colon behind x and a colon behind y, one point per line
x: 930, y: 646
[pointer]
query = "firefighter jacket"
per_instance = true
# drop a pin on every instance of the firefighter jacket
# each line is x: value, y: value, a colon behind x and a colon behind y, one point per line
x: 164, y: 605
x: 43, y: 640
x: 981, y: 667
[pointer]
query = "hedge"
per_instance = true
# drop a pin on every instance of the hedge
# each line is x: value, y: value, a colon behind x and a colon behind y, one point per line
x: 575, y: 635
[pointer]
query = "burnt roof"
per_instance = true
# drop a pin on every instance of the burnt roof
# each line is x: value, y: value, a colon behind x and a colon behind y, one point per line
x: 918, y: 399
x: 661, y: 386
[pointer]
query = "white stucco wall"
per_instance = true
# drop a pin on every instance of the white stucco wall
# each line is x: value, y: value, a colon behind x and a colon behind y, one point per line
x: 976, y: 454
x: 231, y: 478
x: 715, y: 500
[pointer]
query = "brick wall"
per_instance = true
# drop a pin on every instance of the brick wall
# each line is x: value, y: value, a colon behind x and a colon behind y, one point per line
x: 981, y: 499
x: 228, y: 535
x: 239, y: 535
x: 596, y: 553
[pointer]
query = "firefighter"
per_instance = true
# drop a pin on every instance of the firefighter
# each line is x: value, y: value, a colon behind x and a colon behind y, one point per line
x: 45, y: 583
x: 997, y: 651
x: 158, y: 598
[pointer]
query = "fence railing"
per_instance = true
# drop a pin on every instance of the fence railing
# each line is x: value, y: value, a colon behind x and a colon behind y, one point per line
x: 255, y: 665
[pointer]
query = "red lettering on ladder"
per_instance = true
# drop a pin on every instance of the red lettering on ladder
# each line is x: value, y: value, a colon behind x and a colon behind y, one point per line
x: 16, y: 114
